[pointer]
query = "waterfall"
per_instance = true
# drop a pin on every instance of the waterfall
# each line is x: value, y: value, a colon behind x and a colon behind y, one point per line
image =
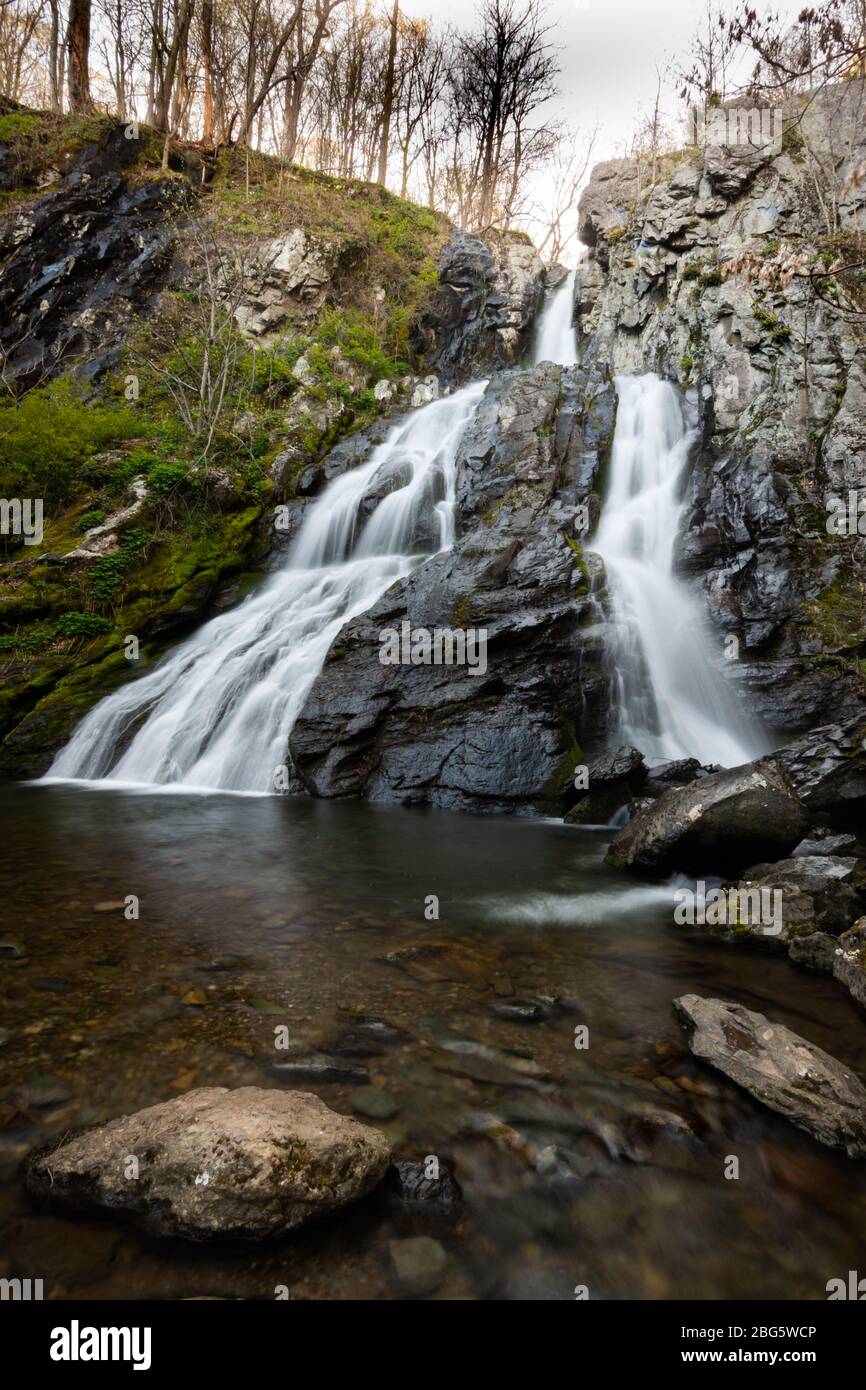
x: 556, y: 340
x: 217, y: 712
x: 671, y: 698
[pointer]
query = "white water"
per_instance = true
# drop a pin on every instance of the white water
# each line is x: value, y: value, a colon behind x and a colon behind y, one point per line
x: 556, y: 339
x: 671, y: 694
x: 217, y: 712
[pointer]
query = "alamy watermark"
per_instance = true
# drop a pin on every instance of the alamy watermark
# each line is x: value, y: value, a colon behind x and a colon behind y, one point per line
x: 846, y: 516
x: 730, y: 907
x: 22, y: 516
x: 756, y: 127
x: 441, y: 646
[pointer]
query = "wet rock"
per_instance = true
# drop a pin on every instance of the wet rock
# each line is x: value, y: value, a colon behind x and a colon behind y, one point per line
x: 614, y: 779
x: 719, y: 822
x: 780, y: 1069
x: 849, y: 960
x: 680, y: 264
x: 420, y: 1264
x: 814, y: 951
x: 373, y: 1103
x: 522, y: 1011
x: 457, y: 960
x: 248, y: 1163
x: 495, y: 739
x: 820, y: 892
x: 827, y: 843
x: 482, y: 315
x: 429, y: 1188
x: 43, y: 1090
x: 827, y: 769
x: 486, y: 1065
x: 80, y: 265
x: 680, y: 773
x: 368, y: 1038
x: 320, y: 1069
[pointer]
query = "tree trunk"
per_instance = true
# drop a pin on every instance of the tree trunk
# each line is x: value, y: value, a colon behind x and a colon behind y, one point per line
x: 55, y: 86
x: 207, y: 66
x: 388, y: 100
x: 78, y: 45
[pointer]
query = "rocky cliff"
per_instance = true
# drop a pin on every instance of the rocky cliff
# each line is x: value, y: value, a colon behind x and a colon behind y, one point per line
x: 740, y: 272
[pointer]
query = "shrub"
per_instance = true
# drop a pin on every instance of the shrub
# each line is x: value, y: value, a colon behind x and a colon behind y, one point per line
x: 89, y: 519
x: 46, y: 436
x: 81, y: 625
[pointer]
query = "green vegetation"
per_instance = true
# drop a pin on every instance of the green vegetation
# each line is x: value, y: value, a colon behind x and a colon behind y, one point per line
x: 46, y: 437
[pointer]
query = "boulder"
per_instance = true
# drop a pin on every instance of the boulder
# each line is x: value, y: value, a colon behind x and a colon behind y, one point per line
x: 614, y: 778
x: 827, y: 768
x: 780, y: 1069
x: 716, y: 824
x: 820, y: 892
x: 248, y: 1163
x: 849, y: 960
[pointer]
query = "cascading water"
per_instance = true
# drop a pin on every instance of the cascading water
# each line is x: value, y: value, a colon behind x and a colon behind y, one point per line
x: 556, y: 340
x: 217, y: 712
x: 672, y: 700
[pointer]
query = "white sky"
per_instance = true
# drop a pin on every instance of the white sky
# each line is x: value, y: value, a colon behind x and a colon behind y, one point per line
x: 608, y: 52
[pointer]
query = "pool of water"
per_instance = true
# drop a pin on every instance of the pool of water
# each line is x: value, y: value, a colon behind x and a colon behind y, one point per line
x: 601, y: 1165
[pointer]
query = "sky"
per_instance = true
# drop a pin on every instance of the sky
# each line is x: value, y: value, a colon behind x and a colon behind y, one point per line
x: 608, y: 52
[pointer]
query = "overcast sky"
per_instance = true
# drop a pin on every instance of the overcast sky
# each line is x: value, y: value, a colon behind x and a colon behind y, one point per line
x: 608, y: 51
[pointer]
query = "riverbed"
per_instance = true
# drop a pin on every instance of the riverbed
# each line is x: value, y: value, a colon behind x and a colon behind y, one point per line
x: 268, y: 920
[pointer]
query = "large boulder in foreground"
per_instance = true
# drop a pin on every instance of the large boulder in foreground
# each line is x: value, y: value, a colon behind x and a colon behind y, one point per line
x: 248, y: 1163
x: 719, y: 824
x: 780, y: 1069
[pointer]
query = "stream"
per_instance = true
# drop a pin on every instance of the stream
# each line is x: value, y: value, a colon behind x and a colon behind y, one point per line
x: 267, y: 911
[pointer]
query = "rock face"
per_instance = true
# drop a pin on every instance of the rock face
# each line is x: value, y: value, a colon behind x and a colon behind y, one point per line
x: 704, y: 276
x: 490, y: 291
x: 248, y: 1163
x: 715, y: 824
x: 79, y: 263
x: 288, y: 272
x: 780, y: 1069
x: 504, y: 737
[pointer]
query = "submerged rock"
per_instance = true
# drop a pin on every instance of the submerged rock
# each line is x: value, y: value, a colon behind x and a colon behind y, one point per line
x: 425, y: 1186
x: 419, y: 1263
x: 247, y: 1163
x: 718, y: 823
x: 780, y: 1069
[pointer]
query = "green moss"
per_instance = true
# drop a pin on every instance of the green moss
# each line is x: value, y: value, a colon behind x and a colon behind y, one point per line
x: 461, y: 611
